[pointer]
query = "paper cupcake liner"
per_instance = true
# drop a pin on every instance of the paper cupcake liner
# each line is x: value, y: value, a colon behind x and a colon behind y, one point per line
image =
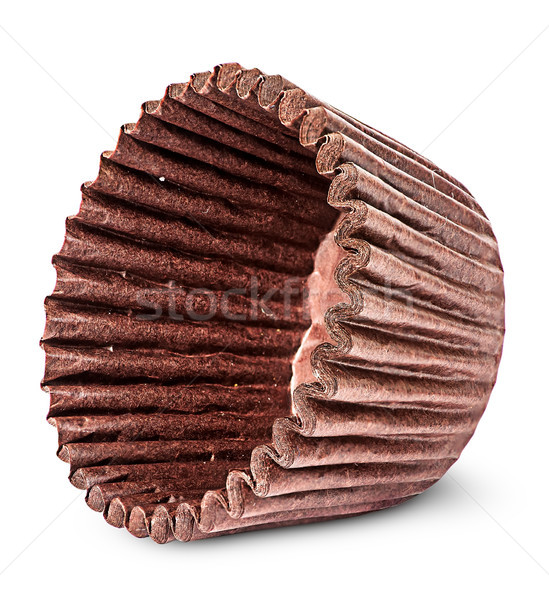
x: 266, y: 313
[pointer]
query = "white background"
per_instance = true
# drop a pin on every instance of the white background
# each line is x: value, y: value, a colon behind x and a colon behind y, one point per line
x: 473, y: 78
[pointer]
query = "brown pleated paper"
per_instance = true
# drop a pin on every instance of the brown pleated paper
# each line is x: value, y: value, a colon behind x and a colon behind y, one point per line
x: 266, y: 313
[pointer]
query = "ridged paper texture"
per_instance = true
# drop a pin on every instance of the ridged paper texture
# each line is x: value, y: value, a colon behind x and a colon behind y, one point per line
x: 266, y: 313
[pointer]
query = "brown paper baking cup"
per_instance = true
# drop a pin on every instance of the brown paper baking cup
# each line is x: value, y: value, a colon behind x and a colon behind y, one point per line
x: 266, y: 313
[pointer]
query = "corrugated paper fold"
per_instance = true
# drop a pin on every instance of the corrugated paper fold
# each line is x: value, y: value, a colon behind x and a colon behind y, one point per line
x: 266, y: 313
